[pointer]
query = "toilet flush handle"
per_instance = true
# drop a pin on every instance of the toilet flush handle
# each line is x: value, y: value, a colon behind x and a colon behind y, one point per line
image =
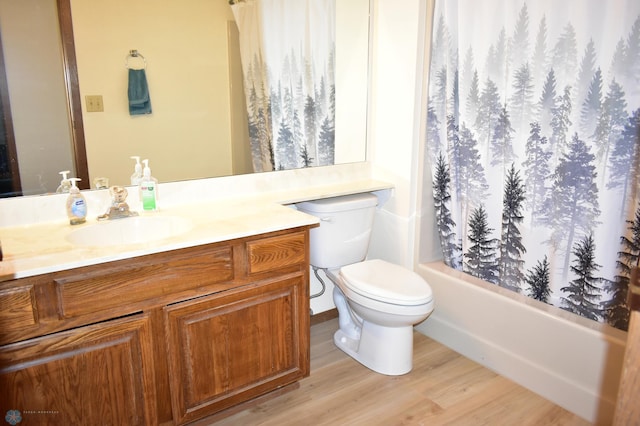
x: 326, y: 219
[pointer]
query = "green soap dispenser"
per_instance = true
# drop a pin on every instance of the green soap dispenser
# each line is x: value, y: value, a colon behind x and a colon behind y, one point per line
x: 148, y: 188
x: 76, y: 204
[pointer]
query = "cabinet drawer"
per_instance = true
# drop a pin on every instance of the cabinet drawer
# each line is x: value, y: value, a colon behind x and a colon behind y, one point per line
x: 18, y: 308
x: 101, y: 288
x: 276, y: 252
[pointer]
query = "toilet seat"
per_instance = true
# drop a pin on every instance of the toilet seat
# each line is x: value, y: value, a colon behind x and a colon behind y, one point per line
x: 386, y: 282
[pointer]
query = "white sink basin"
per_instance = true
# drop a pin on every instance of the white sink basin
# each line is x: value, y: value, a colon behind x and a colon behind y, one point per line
x: 130, y: 230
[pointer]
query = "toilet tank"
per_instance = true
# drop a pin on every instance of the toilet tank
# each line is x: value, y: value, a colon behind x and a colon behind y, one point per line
x: 345, y: 229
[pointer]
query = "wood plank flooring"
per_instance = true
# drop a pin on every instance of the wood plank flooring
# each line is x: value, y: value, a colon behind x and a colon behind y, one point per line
x: 443, y: 388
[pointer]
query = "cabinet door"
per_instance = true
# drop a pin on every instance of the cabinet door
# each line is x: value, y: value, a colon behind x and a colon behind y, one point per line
x: 232, y: 346
x: 98, y: 374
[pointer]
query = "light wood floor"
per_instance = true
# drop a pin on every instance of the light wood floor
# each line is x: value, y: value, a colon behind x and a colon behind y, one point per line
x: 443, y: 388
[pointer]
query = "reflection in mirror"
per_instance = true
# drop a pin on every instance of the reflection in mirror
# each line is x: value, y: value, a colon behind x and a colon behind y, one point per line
x: 37, y: 137
x: 194, y: 75
x: 9, y: 173
x: 290, y: 87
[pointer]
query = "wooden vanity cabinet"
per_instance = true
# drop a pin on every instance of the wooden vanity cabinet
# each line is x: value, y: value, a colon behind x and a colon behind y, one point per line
x: 166, y: 338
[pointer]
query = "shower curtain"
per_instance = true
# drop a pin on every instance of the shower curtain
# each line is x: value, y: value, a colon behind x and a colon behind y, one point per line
x: 287, y: 49
x: 532, y: 134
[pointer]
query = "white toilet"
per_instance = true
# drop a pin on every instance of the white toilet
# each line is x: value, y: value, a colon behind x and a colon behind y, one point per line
x: 378, y: 302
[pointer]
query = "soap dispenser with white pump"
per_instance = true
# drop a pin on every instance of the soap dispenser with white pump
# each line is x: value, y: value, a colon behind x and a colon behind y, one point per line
x: 136, y: 177
x: 76, y: 204
x: 65, y: 184
x: 148, y: 188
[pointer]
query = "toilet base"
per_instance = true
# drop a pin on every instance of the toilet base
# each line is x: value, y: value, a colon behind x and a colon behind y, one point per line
x: 385, y: 350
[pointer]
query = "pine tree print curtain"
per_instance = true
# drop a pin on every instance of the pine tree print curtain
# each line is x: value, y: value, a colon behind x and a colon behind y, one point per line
x: 287, y: 49
x: 533, y: 137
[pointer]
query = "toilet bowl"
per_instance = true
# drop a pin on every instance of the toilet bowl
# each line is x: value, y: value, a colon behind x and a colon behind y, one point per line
x: 378, y: 302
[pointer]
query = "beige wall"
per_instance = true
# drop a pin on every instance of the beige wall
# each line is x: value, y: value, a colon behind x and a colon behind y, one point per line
x: 185, y: 46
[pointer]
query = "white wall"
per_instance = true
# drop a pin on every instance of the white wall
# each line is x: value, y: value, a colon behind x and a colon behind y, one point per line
x: 393, y: 143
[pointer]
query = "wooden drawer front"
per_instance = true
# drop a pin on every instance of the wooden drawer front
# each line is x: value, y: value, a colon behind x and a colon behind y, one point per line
x: 17, y: 308
x: 276, y: 252
x: 142, y: 279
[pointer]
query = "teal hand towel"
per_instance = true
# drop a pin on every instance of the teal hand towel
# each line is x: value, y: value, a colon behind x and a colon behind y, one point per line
x: 139, y: 100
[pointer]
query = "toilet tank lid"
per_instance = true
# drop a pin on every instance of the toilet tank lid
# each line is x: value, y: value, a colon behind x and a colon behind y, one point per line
x: 341, y: 203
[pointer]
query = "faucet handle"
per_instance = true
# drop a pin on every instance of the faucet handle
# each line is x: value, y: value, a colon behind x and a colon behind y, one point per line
x: 118, y: 194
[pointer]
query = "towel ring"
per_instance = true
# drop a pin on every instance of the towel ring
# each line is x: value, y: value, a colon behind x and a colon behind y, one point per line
x: 134, y: 54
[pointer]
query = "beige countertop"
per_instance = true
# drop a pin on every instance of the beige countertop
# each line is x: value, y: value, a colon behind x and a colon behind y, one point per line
x: 45, y: 247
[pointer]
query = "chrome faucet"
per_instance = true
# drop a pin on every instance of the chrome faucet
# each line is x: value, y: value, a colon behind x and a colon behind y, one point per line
x: 119, y: 208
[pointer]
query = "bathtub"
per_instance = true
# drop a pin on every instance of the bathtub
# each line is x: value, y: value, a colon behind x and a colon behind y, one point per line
x: 572, y: 361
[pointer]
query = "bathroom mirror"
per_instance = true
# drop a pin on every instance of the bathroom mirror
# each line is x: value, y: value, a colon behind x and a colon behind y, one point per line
x: 195, y: 85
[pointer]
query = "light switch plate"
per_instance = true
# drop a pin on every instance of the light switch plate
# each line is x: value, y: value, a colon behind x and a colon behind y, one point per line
x: 94, y: 103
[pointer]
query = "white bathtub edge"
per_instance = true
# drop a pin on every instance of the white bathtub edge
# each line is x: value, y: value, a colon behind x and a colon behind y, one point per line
x: 582, y: 372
